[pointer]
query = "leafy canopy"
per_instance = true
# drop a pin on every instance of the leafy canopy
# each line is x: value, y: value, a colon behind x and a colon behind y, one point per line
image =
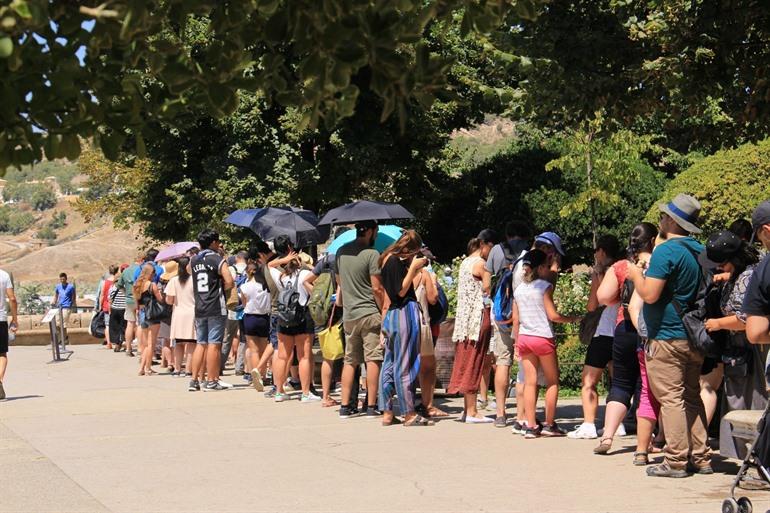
x: 70, y: 70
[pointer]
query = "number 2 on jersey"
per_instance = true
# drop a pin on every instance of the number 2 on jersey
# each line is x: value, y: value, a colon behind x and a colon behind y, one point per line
x: 203, y: 282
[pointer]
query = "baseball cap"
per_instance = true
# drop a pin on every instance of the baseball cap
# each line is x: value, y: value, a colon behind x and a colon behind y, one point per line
x: 720, y: 248
x: 552, y: 239
x: 759, y: 218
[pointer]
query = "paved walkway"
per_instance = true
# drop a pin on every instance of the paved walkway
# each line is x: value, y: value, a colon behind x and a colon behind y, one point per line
x: 88, y: 435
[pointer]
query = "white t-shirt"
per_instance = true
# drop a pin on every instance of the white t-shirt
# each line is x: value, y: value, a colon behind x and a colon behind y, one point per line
x: 258, y: 298
x: 533, y: 319
x: 518, y: 271
x: 607, y: 322
x: 5, y: 283
x: 281, y: 282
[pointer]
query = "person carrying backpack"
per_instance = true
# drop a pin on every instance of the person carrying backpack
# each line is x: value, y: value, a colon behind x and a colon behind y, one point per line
x: 672, y: 282
x: 498, y: 275
x: 295, y: 328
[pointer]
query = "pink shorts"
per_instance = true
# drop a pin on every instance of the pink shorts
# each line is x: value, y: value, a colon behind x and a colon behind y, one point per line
x: 540, y: 346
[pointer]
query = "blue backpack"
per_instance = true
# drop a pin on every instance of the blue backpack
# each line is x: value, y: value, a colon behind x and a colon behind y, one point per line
x: 502, y: 302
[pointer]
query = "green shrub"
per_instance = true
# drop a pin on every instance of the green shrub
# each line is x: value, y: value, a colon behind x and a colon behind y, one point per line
x: 15, y: 221
x: 729, y: 185
x: 46, y: 233
x: 571, y: 353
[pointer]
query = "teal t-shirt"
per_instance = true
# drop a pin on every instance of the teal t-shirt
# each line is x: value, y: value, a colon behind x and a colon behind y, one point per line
x: 674, y: 262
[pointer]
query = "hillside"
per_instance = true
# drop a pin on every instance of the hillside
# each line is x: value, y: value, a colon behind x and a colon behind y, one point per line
x: 82, y: 250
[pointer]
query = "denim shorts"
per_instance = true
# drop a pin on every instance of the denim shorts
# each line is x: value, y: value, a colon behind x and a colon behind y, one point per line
x: 274, y: 331
x: 210, y: 330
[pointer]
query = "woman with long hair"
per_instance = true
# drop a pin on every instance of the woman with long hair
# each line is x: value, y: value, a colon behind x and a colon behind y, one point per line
x: 255, y: 296
x: 299, y: 336
x: 400, y: 264
x: 473, y: 327
x: 144, y: 289
x: 599, y: 351
x: 426, y: 289
x: 744, y: 374
x: 180, y: 294
x: 626, y: 366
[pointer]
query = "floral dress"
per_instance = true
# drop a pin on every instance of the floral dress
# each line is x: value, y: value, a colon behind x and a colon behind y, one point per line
x: 470, y: 303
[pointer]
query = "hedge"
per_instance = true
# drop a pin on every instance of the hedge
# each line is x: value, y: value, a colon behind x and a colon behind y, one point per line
x: 729, y: 185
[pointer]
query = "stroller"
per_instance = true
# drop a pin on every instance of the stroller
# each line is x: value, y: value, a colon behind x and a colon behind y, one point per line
x: 757, y: 455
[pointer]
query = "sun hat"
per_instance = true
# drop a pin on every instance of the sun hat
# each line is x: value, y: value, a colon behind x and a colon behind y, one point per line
x: 759, y: 218
x: 684, y: 210
x: 534, y: 258
x: 552, y: 239
x: 720, y: 248
x: 170, y: 269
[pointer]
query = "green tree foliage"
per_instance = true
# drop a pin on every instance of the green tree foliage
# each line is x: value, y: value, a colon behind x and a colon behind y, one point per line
x: 89, y: 69
x: 63, y: 171
x: 729, y: 185
x: 47, y: 233
x: 603, y: 165
x: 14, y: 220
x: 58, y: 221
x: 30, y: 302
x: 39, y: 196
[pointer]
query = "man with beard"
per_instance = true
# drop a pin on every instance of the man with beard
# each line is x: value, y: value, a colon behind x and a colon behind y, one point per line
x: 358, y: 274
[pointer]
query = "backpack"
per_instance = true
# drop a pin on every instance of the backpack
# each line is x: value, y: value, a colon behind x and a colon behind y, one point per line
x: 510, y: 261
x: 502, y: 302
x: 289, y: 311
x: 320, y: 303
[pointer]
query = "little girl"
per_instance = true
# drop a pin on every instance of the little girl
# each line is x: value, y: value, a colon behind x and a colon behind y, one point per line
x: 533, y: 312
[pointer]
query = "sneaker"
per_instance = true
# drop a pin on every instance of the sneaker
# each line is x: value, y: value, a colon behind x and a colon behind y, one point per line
x: 247, y: 378
x: 583, y: 432
x: 213, y: 386
x: 256, y: 380
x: 194, y: 386
x: 2, y: 391
x: 347, y: 412
x: 481, y: 405
x: 492, y: 405
x: 621, y: 431
x: 268, y: 380
x: 519, y: 428
x: 373, y: 413
x: 240, y: 372
x: 270, y: 393
x: 293, y: 386
x: 532, y: 433
x: 500, y: 422
x: 279, y: 397
x: 224, y: 384
x: 552, y: 430
x: 663, y: 470
x: 309, y: 398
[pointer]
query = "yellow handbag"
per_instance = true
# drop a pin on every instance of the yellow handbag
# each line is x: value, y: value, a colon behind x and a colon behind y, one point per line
x: 330, y: 340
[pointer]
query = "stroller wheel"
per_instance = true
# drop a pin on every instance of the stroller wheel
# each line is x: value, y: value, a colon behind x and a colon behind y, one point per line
x: 744, y: 505
x: 730, y: 506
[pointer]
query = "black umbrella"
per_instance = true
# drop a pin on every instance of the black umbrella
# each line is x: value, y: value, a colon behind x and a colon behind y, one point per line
x: 365, y: 211
x: 270, y: 222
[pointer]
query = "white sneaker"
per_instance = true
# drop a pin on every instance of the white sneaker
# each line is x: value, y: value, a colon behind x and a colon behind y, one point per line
x: 583, y: 431
x: 224, y: 384
x: 256, y: 380
x: 310, y: 398
x: 621, y: 430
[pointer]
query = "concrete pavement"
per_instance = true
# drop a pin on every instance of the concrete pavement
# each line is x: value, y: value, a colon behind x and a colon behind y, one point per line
x: 89, y: 435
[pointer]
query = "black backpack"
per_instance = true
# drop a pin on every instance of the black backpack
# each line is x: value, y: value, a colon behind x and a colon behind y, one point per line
x: 289, y: 312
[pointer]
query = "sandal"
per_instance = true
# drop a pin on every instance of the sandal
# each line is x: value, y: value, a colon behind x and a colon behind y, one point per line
x: 329, y: 403
x: 437, y: 412
x: 605, y: 444
x: 391, y: 422
x: 641, y: 459
x: 418, y: 420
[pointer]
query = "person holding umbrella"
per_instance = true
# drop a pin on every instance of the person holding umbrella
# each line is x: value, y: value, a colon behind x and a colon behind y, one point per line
x: 358, y: 274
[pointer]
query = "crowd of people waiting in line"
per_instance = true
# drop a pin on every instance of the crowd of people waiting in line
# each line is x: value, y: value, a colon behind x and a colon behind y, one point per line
x: 254, y: 306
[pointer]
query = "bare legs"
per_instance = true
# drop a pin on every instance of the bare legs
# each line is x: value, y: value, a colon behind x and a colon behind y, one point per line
x: 3, y: 365
x: 502, y: 379
x: 130, y: 328
x: 427, y: 381
x: 150, y: 336
x: 588, y: 394
x: 709, y: 384
x: 257, y: 347
x: 550, y: 366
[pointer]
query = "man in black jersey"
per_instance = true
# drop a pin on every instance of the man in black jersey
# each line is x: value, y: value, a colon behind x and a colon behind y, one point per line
x: 211, y: 278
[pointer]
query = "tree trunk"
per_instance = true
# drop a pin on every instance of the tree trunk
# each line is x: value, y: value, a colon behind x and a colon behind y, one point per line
x: 589, y: 180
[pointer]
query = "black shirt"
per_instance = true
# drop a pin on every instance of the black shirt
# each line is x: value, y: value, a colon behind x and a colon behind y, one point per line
x: 757, y: 298
x: 208, y: 284
x: 393, y: 273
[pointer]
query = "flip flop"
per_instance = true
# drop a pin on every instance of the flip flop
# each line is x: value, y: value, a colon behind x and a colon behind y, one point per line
x: 418, y: 420
x: 436, y: 412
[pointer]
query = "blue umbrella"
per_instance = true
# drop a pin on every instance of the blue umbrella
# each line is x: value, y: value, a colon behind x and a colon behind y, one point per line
x: 387, y: 235
x: 270, y: 222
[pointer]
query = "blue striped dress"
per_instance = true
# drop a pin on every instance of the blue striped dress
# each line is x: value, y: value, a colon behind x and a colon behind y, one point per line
x: 401, y: 365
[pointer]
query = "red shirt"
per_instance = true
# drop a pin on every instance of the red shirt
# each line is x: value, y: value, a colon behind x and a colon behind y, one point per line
x: 620, y: 268
x: 106, y: 295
